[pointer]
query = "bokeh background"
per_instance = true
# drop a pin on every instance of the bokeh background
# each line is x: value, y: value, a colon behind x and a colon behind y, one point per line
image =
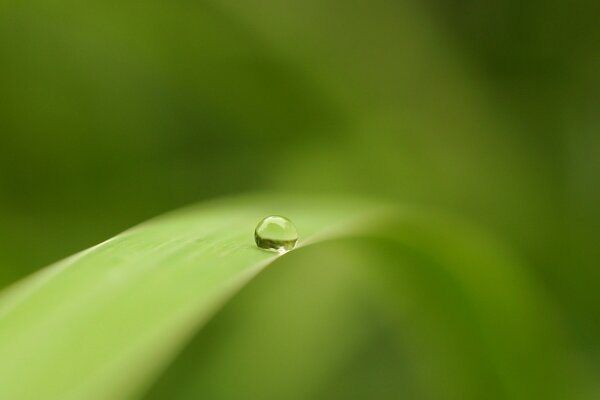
x: 112, y: 112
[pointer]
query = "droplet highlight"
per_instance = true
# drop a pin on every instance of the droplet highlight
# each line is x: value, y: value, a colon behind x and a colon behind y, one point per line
x: 276, y: 233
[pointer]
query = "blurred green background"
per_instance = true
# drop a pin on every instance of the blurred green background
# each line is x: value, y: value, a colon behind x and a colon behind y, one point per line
x: 114, y: 111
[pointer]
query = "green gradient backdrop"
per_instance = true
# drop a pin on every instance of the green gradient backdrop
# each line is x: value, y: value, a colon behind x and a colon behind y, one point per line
x: 114, y: 111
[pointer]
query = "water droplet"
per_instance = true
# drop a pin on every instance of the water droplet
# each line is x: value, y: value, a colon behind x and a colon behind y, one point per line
x: 276, y: 233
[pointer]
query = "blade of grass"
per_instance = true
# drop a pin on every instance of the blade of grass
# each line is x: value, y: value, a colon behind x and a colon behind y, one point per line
x: 100, y: 324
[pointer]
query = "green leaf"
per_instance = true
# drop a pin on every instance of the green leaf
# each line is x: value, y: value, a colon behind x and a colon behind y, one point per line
x: 100, y: 324
x: 105, y: 323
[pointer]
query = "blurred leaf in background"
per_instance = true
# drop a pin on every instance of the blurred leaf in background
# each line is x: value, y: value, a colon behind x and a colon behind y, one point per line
x: 112, y: 112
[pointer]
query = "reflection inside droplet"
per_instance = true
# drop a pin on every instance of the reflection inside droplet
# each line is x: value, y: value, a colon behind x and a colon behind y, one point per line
x: 276, y: 233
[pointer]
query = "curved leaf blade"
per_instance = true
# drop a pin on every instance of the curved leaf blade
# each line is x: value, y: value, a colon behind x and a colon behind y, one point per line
x: 101, y: 324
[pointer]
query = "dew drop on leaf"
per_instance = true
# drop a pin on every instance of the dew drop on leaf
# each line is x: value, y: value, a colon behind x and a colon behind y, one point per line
x: 276, y: 233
